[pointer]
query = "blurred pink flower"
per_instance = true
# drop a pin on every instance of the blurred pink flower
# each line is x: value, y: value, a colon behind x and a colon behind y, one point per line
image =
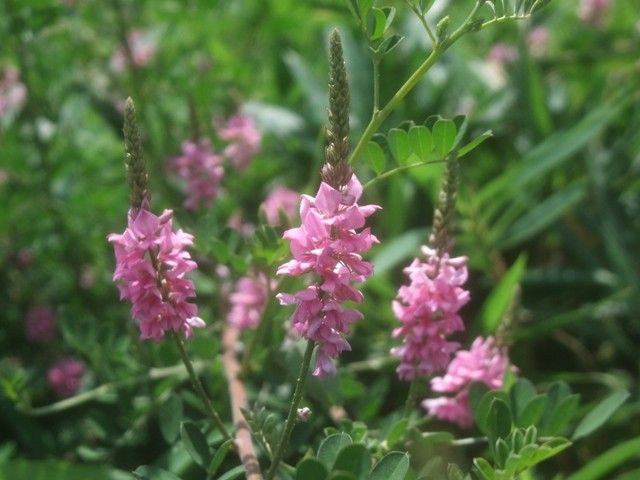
x: 151, y: 264
x: 40, y: 324
x: 245, y: 140
x: 280, y: 199
x: 143, y: 47
x: 248, y: 301
x: 538, y: 40
x: 502, y: 53
x: 329, y: 243
x: 594, y: 12
x: 237, y: 223
x: 202, y: 169
x: 65, y: 376
x: 13, y: 92
x: 484, y: 362
x: 428, y: 309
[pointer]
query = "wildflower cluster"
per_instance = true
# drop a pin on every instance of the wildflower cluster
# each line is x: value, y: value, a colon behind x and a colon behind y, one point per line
x: 151, y: 265
x: 484, y: 362
x: 428, y: 309
x: 329, y: 243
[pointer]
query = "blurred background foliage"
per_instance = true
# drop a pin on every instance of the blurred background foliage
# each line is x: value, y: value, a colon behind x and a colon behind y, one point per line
x: 550, y: 203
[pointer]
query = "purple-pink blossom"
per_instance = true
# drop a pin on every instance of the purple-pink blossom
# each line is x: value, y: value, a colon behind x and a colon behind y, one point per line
x: 281, y: 200
x: 151, y: 267
x: 201, y: 168
x: 245, y: 140
x: 329, y: 244
x: 143, y: 48
x: 65, y: 376
x: 484, y: 362
x: 248, y: 301
x: 594, y: 11
x: 40, y: 324
x: 538, y: 40
x: 13, y: 92
x: 428, y: 310
x: 502, y: 53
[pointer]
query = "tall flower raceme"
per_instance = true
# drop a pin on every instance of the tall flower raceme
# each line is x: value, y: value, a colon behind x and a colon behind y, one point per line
x: 13, y: 92
x: 484, y: 362
x: 151, y: 259
x: 201, y: 168
x: 331, y: 238
x: 428, y: 310
x: 245, y: 140
x: 428, y: 306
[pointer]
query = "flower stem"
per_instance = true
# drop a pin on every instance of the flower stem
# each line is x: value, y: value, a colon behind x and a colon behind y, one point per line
x: 291, y: 418
x: 199, y: 388
x: 411, y: 398
x: 380, y: 116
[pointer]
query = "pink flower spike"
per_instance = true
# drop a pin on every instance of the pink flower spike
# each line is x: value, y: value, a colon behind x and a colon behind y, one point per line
x: 201, y: 168
x: 245, y: 140
x: 329, y: 244
x: 151, y: 268
x: 40, y: 324
x: 427, y: 309
x: 65, y: 376
x: 484, y: 362
x: 594, y: 12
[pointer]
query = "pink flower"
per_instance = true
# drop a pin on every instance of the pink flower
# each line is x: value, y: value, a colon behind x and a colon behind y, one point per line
x: 248, y: 302
x: 538, y: 40
x: 143, y: 47
x: 502, y: 53
x: 280, y: 199
x: 151, y: 264
x: 65, y: 376
x: 13, y: 92
x: 241, y: 130
x: 329, y: 243
x: 594, y: 11
x: 428, y: 309
x: 485, y: 362
x: 40, y: 324
x: 202, y: 169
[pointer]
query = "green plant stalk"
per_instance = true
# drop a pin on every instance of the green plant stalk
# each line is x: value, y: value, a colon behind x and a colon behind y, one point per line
x: 215, y: 418
x: 411, y: 398
x: 380, y: 116
x: 291, y: 417
x: 402, y: 168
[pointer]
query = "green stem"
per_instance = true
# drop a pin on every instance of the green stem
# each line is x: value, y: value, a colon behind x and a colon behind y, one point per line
x: 380, y: 116
x: 291, y: 418
x: 199, y: 388
x: 402, y: 168
x: 376, y: 85
x: 89, y: 395
x: 411, y: 398
x: 424, y: 22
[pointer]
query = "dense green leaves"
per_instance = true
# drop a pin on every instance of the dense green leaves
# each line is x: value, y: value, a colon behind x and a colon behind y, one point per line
x: 196, y: 443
